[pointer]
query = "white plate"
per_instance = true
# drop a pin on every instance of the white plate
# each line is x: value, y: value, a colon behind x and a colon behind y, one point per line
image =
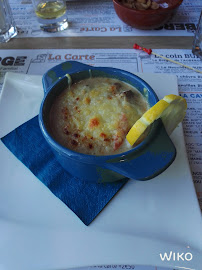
x: 37, y: 231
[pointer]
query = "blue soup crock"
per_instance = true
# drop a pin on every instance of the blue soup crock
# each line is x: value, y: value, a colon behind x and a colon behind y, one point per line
x: 143, y: 162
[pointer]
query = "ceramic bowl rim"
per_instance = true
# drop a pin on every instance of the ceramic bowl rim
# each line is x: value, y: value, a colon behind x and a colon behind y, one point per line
x: 73, y: 154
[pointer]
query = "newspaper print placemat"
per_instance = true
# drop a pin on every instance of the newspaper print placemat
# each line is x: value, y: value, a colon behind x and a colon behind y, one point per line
x: 98, y: 18
x: 190, y: 83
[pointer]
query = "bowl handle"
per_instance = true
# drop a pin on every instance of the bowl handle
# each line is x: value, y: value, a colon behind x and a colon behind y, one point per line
x: 148, y: 162
x: 53, y: 75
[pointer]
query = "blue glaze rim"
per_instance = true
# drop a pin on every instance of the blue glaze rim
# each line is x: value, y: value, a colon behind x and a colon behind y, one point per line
x: 83, y: 67
x: 135, y: 157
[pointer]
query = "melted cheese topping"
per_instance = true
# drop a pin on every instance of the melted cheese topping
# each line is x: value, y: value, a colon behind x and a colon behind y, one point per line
x: 94, y: 115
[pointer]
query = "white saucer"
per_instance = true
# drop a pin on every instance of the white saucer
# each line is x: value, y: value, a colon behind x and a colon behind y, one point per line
x: 37, y: 231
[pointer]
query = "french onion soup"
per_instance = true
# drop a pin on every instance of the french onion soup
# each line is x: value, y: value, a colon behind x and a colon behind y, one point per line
x: 94, y: 115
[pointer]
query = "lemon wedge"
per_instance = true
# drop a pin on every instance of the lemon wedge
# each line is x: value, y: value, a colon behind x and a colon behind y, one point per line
x: 171, y: 109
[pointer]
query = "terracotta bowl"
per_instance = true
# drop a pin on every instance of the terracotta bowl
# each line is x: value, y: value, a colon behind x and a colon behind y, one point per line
x: 147, y: 19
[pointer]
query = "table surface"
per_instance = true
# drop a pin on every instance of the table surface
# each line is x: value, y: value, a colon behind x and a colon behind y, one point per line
x: 99, y: 42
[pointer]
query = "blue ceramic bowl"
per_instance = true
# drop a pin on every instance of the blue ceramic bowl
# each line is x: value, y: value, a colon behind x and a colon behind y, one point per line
x: 145, y: 161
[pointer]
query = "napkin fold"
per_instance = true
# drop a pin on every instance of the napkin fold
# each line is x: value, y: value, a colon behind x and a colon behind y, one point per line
x: 86, y: 200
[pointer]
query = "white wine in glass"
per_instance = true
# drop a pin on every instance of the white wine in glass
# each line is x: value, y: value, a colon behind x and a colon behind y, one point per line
x: 51, y: 14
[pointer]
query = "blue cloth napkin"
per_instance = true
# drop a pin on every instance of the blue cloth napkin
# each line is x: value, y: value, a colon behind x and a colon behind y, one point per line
x: 86, y: 200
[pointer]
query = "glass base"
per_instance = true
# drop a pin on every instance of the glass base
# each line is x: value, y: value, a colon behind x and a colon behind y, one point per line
x: 197, y: 46
x: 55, y: 27
x: 5, y: 37
x: 198, y: 53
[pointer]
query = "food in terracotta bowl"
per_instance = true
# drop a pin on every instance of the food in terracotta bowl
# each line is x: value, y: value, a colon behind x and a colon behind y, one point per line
x: 146, y: 14
x: 85, y: 117
x: 140, y: 4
